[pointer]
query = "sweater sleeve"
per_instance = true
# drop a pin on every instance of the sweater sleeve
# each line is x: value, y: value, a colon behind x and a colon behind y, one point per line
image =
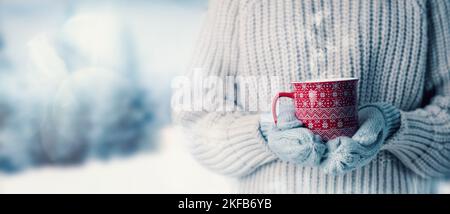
x: 227, y: 142
x: 422, y: 142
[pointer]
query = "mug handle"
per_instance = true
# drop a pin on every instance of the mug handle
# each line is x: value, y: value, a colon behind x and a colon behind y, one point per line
x: 275, y: 100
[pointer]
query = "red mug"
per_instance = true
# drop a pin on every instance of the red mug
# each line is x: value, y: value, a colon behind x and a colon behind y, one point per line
x: 327, y: 107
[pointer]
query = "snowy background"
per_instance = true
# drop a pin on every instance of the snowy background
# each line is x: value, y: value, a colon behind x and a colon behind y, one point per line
x: 65, y: 66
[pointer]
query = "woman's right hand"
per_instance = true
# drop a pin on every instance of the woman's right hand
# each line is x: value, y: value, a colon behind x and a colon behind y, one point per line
x: 290, y: 141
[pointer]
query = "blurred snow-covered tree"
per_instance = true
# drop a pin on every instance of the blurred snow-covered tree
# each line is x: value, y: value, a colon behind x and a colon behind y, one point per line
x: 79, y: 98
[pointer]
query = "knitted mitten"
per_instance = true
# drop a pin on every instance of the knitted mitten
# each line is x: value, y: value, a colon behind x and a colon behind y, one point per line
x: 290, y: 142
x: 377, y: 122
x: 286, y: 120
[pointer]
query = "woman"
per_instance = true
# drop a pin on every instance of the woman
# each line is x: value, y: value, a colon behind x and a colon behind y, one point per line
x: 399, y: 50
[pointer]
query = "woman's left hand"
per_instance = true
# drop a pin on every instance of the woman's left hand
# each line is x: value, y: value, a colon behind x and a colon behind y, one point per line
x: 344, y: 154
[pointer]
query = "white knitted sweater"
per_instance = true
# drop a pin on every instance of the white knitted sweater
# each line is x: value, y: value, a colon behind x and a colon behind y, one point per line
x: 400, y: 51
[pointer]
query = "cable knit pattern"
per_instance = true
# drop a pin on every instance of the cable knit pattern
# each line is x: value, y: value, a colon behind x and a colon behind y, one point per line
x: 400, y: 51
